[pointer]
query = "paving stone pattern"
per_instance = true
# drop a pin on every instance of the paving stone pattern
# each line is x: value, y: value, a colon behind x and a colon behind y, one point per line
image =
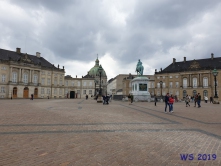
x: 79, y: 132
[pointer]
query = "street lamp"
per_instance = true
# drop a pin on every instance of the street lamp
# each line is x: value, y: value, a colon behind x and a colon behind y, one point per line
x: 99, y: 100
x: 95, y: 82
x: 161, y: 83
x: 215, y: 73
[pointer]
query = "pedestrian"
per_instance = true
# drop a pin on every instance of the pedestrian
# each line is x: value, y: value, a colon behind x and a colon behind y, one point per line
x: 166, y: 102
x: 187, y: 100
x: 211, y: 99
x: 132, y: 98
x: 171, y: 101
x: 199, y: 100
x: 129, y: 98
x: 104, y: 99
x: 86, y: 96
x: 155, y: 100
x: 195, y: 99
x: 206, y: 99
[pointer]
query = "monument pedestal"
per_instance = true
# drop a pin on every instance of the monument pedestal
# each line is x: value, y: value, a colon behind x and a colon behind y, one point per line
x: 100, y: 99
x: 140, y: 89
x: 215, y: 100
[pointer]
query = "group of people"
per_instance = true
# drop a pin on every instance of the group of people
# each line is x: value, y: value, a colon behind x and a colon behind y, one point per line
x: 169, y: 100
x: 106, y: 99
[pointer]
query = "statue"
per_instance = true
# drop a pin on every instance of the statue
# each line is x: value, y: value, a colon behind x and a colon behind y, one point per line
x: 139, y: 68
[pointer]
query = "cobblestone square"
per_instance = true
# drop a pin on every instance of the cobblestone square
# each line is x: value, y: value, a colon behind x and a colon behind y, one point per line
x: 78, y: 132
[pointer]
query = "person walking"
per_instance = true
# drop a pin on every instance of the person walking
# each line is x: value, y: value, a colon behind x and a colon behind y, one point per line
x: 199, y: 100
x: 171, y: 101
x: 195, y: 99
x: 166, y: 102
x: 155, y: 99
x: 187, y: 100
x: 132, y: 98
x: 211, y: 99
x: 206, y: 99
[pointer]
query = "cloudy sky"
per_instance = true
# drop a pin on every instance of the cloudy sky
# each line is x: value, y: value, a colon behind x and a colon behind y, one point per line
x: 72, y: 32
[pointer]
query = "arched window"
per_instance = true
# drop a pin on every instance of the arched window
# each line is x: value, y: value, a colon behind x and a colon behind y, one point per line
x: 205, y: 93
x: 194, y: 92
x: 194, y: 82
x: 164, y: 85
x: 158, y: 85
x: 14, y: 77
x: 184, y: 82
x: 25, y: 78
x: 135, y: 86
x: 205, y: 82
x: 184, y: 93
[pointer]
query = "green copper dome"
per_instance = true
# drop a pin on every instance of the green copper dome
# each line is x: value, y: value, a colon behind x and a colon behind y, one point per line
x: 94, y: 70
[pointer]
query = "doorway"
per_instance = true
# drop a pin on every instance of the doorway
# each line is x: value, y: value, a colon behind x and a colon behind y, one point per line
x: 25, y: 92
x: 72, y: 94
x: 36, y: 93
x: 15, y: 92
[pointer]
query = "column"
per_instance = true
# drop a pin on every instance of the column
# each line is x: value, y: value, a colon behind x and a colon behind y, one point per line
x: 30, y: 72
x: 22, y: 72
x: 19, y: 75
x: 39, y: 77
x: 191, y: 81
x: 10, y: 74
x: 209, y: 80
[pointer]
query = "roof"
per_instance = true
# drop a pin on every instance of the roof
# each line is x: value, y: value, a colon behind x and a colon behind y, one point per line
x: 7, y: 55
x: 88, y: 76
x: 193, y: 65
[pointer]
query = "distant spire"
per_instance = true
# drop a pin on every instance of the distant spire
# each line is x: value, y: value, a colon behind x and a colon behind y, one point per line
x: 97, y: 56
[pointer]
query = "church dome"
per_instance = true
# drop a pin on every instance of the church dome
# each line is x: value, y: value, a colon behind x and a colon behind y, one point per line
x: 94, y: 70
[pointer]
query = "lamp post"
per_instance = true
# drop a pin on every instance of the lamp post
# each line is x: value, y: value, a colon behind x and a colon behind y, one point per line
x: 215, y: 73
x: 99, y: 100
x: 161, y: 83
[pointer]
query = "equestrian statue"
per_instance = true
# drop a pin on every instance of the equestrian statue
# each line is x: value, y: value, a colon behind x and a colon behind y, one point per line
x: 139, y: 68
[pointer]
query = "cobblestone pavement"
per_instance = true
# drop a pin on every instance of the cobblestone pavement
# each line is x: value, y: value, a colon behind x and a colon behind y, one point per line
x: 80, y: 132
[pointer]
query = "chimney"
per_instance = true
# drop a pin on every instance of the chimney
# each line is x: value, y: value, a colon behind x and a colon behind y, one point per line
x: 63, y: 67
x: 161, y: 69
x: 174, y: 60
x: 58, y: 65
x: 76, y: 76
x: 212, y: 56
x: 18, y: 50
x: 184, y: 59
x: 38, y: 54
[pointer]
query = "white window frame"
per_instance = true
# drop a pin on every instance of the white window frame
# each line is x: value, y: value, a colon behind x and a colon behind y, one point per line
x: 2, y: 89
x: 35, y: 78
x: 42, y: 91
x: 25, y: 78
x: 3, y: 78
x: 14, y: 76
x: 194, y: 82
x: 184, y: 82
x: 42, y: 81
x: 49, y: 81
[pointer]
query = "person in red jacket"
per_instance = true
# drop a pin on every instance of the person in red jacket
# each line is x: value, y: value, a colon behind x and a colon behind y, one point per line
x: 171, y: 101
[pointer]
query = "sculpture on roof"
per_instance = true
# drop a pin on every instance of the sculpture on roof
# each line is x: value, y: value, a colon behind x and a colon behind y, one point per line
x: 139, y: 68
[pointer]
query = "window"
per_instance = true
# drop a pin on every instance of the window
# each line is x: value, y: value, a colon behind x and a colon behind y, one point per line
x: 42, y: 81
x: 158, y: 93
x: 66, y: 83
x: 49, y: 81
x: 66, y: 91
x: 42, y: 72
x: 90, y: 92
x: 158, y: 85
x: 79, y: 84
x: 60, y: 91
x: 42, y: 91
x: 184, y: 83
x: 153, y: 85
x: 25, y: 78
x: 35, y: 79
x: 194, y: 92
x: 90, y: 84
x: 60, y: 82
x: 184, y: 93
x: 158, y: 77
x: 78, y: 91
x: 163, y: 77
x: 171, y: 76
x: 3, y: 68
x: 84, y: 92
x: 194, y: 82
x: 3, y: 78
x: 171, y: 84
x: 14, y: 77
x: 49, y: 73
x: 55, y: 82
x: 135, y: 86
x: 205, y: 93
x: 164, y: 85
x: 2, y: 89
x: 72, y: 83
x: 55, y: 91
x: 85, y: 83
x: 48, y: 91
x: 177, y: 76
x: 177, y: 93
x: 164, y: 93
x: 205, y: 82
x: 177, y: 84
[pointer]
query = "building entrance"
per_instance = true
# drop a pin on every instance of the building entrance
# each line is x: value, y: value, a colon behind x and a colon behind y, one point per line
x: 25, y: 92
x: 72, y: 94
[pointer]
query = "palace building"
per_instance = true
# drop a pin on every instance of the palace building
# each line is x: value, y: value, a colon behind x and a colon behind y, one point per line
x: 189, y: 77
x: 22, y: 74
